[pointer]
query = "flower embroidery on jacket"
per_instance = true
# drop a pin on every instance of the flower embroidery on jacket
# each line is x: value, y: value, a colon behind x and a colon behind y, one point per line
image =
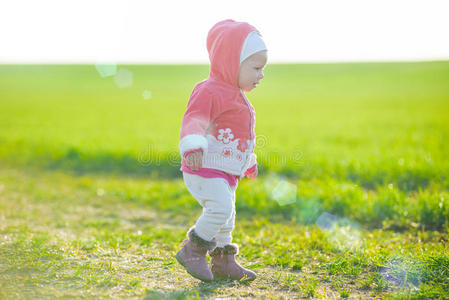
x: 227, y: 152
x: 225, y: 135
x: 243, y: 145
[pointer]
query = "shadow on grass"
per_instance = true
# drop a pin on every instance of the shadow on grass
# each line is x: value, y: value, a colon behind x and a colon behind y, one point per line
x: 166, y: 165
x: 75, y: 161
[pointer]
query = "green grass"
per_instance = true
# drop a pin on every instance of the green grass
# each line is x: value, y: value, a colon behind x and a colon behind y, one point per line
x: 63, y: 235
x: 371, y: 123
x: 92, y: 203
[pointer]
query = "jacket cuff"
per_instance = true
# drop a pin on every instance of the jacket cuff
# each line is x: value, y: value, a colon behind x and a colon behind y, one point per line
x: 192, y: 142
x: 191, y: 151
x: 252, y: 160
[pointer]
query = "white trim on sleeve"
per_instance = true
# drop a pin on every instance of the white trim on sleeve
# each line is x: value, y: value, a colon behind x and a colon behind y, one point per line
x: 192, y: 142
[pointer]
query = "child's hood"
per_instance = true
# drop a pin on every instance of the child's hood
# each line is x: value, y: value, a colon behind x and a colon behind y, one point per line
x: 224, y: 44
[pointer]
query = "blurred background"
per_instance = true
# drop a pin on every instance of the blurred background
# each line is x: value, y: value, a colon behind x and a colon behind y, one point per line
x: 355, y: 92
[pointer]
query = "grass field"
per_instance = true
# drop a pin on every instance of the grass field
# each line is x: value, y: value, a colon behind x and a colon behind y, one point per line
x: 352, y: 198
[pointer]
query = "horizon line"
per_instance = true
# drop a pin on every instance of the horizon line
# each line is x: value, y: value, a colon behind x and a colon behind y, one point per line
x: 131, y: 62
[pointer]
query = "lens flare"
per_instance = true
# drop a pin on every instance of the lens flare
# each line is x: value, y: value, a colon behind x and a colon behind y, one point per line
x: 280, y: 190
x: 123, y: 78
x: 326, y: 222
x: 106, y: 69
x: 402, y: 272
x: 146, y: 94
x: 341, y: 232
x: 100, y: 192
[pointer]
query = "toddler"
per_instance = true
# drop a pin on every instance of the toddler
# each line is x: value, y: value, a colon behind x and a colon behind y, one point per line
x: 217, y: 147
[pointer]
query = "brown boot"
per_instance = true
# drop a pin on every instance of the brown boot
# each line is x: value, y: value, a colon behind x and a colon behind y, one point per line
x: 223, y: 264
x: 193, y: 256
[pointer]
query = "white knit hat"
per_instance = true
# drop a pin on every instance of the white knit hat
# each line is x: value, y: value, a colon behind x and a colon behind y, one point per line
x: 253, y: 44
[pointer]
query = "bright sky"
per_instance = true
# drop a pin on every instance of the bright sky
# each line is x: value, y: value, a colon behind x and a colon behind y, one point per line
x: 168, y: 31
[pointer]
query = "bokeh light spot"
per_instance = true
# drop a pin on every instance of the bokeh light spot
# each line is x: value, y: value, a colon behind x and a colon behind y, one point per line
x: 100, y: 192
x: 280, y: 190
x: 123, y: 78
x: 341, y: 232
x: 326, y: 222
x: 106, y: 69
x: 146, y: 94
x: 402, y: 272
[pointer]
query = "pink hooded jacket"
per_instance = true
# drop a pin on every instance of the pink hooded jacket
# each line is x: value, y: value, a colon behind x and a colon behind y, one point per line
x: 219, y: 119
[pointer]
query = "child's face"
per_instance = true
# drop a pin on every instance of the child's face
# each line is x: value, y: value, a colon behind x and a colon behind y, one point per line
x: 250, y: 72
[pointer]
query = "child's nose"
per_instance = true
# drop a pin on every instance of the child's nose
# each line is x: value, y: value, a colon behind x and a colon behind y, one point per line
x: 261, y: 75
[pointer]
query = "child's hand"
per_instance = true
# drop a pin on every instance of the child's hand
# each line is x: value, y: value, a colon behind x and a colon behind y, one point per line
x: 252, y: 172
x: 194, y: 160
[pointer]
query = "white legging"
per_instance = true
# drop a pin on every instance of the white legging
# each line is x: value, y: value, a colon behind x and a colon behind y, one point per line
x: 217, y: 198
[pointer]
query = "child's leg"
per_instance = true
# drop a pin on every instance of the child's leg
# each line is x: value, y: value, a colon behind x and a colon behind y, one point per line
x: 224, y: 235
x: 217, y: 199
x: 222, y: 263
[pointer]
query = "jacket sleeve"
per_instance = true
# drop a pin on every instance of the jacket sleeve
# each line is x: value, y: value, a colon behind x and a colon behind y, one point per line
x: 196, y: 121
